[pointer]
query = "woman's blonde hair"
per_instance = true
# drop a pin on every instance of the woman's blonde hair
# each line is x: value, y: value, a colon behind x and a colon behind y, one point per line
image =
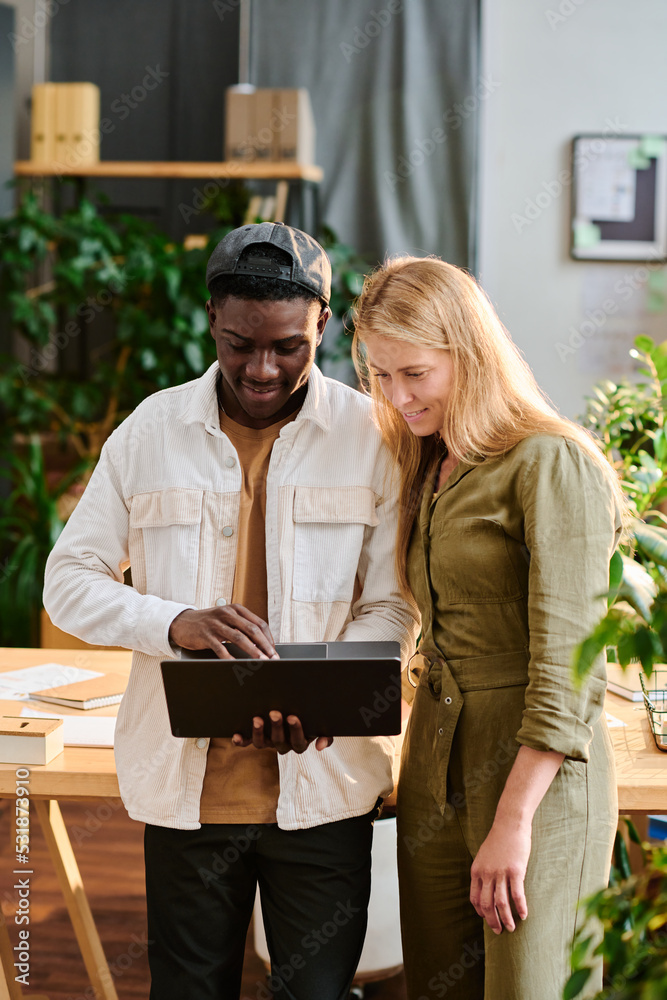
x: 494, y: 402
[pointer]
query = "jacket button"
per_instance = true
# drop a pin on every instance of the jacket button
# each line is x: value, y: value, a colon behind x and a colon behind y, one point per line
x: 230, y: 462
x: 227, y: 531
x: 440, y: 732
x: 201, y: 742
x: 448, y: 701
x: 220, y: 603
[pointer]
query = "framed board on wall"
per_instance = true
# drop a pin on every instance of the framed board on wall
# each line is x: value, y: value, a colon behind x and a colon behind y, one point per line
x: 619, y: 197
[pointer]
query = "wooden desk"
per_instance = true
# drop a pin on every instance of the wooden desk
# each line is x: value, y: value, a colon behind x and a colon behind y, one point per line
x: 77, y: 773
x: 641, y: 769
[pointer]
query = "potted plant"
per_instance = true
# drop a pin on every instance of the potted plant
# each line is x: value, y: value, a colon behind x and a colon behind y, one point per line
x: 629, y: 419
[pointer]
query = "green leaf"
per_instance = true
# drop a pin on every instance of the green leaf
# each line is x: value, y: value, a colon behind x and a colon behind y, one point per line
x: 652, y: 540
x: 576, y: 983
x: 637, y: 587
x: 626, y: 647
x: 621, y: 858
x: 580, y: 950
x: 660, y: 445
x: 632, y: 832
x: 172, y: 277
x: 149, y: 359
x: 644, y: 343
x: 648, y: 648
x: 194, y: 356
x: 615, y: 576
x: 199, y: 321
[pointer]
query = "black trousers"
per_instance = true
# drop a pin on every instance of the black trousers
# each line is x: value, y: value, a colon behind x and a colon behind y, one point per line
x: 200, y: 889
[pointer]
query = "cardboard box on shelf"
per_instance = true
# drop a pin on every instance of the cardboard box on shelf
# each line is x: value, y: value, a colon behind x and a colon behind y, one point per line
x: 65, y: 124
x: 84, y: 122
x: 296, y: 138
x: 43, y: 123
x: 269, y: 124
x: 263, y: 139
x: 239, y: 123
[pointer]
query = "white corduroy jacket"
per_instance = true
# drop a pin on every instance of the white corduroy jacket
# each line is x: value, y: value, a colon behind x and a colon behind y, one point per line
x: 165, y: 498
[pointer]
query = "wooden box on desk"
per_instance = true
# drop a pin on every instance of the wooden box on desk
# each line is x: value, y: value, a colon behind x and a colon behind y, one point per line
x: 30, y: 741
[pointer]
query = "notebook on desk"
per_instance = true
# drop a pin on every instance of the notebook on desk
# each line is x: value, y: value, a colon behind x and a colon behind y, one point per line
x: 335, y: 689
x: 96, y: 692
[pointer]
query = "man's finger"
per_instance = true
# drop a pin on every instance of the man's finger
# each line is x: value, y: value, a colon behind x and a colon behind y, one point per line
x: 241, y: 741
x: 298, y: 741
x: 322, y: 742
x: 220, y: 650
x: 232, y: 633
x: 262, y: 630
x: 278, y: 737
x: 258, y: 740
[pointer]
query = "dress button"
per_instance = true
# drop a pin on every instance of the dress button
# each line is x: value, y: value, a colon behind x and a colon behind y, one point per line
x: 230, y: 462
x: 227, y: 531
x: 440, y: 732
x: 201, y: 742
x: 448, y: 701
x: 220, y: 603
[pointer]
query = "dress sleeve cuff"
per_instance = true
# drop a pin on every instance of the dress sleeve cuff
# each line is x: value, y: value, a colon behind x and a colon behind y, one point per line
x: 550, y: 731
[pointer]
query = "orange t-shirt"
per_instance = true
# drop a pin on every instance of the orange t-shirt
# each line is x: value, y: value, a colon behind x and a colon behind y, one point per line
x: 241, y: 784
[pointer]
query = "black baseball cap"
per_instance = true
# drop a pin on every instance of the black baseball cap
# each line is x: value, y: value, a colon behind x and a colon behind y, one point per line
x: 310, y: 265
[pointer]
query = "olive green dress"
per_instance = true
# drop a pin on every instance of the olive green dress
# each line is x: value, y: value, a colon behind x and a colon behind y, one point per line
x: 507, y: 564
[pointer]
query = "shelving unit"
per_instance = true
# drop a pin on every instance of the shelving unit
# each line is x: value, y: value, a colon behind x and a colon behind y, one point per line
x: 183, y: 169
x: 305, y: 179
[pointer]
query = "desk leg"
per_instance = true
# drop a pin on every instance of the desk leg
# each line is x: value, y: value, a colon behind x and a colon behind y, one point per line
x: 9, y: 988
x: 67, y: 871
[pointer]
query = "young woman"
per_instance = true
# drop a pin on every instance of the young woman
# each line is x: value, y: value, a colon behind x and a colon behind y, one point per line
x: 509, y: 515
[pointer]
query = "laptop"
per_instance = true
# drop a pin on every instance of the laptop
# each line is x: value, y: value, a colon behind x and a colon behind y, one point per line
x: 334, y: 688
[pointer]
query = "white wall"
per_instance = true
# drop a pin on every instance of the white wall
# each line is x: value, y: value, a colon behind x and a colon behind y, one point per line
x: 601, y: 61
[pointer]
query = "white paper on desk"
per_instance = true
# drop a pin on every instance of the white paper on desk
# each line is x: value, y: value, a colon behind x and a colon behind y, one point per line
x: 612, y: 721
x: 17, y: 684
x: 88, y: 731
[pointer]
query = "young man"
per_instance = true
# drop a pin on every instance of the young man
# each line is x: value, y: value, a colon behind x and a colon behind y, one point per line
x: 251, y: 503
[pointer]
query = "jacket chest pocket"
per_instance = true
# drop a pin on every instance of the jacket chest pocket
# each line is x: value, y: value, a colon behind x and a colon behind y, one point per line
x: 329, y: 528
x: 470, y: 562
x: 165, y: 527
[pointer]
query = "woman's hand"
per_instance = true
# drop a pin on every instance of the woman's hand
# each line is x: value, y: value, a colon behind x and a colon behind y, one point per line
x: 499, y: 870
x: 498, y: 873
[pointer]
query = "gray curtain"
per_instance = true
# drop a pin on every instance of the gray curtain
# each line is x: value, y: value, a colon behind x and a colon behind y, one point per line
x: 395, y: 89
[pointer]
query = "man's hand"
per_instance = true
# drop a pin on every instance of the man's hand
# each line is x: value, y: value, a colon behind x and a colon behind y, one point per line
x: 210, y: 628
x: 281, y: 740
